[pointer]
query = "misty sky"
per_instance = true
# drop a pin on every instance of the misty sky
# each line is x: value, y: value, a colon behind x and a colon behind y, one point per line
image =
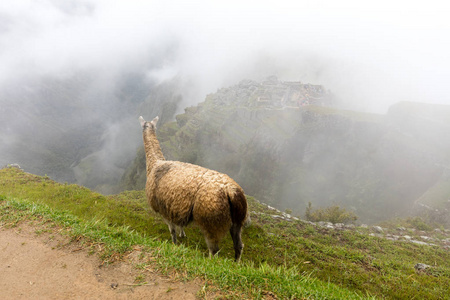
x: 369, y: 54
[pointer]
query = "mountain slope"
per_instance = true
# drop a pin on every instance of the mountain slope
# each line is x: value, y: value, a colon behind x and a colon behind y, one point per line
x: 289, y: 155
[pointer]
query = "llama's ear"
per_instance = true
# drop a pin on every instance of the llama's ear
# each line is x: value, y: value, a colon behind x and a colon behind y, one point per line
x: 154, y: 121
x: 142, y: 121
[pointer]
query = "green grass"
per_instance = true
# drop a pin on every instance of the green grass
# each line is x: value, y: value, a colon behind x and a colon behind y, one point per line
x: 252, y: 281
x: 289, y: 259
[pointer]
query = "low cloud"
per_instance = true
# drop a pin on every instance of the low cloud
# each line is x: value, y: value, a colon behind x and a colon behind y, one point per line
x: 371, y: 55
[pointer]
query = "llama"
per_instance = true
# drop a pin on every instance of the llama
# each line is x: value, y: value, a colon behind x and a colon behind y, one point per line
x: 183, y: 193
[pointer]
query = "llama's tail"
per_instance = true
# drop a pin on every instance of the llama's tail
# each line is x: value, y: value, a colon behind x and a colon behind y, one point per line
x: 238, y: 211
x: 238, y: 207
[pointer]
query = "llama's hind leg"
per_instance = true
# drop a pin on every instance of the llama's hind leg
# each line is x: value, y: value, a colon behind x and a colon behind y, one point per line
x: 235, y: 232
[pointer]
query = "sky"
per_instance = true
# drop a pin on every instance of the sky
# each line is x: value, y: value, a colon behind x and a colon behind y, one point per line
x: 369, y: 54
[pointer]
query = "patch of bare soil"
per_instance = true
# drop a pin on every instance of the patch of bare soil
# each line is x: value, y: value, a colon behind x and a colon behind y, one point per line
x: 38, y: 267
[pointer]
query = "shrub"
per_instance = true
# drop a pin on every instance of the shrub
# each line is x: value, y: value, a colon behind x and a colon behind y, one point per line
x: 333, y: 214
x: 419, y: 223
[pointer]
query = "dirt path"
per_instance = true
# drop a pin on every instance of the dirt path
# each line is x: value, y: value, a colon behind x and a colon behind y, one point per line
x: 37, y: 267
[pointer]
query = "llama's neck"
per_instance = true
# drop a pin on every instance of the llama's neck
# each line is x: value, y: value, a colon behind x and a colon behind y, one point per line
x: 152, y: 149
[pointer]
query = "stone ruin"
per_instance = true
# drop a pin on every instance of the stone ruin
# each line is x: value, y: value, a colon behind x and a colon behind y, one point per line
x: 273, y: 93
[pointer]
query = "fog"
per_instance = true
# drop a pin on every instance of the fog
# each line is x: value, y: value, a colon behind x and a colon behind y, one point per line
x: 369, y: 55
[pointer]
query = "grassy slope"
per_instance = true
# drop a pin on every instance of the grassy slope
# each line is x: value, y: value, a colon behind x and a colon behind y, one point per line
x: 437, y: 195
x: 290, y: 259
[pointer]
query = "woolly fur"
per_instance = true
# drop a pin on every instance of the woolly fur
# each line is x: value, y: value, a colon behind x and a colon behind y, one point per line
x: 184, y: 193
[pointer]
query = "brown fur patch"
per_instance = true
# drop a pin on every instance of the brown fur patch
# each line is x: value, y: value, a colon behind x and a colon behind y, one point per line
x: 160, y: 171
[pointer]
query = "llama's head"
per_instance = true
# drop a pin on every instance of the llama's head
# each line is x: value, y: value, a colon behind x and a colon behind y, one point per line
x: 151, y: 125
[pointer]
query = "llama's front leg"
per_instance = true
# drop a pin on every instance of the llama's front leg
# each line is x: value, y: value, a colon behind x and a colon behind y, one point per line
x: 181, y: 232
x: 173, y: 232
x: 213, y: 247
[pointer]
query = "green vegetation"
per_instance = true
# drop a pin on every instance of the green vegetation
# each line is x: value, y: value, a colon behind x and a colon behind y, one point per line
x: 417, y: 223
x: 293, y: 260
x: 333, y: 214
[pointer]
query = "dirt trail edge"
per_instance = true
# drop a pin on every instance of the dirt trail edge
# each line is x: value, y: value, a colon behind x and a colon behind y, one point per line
x: 37, y: 267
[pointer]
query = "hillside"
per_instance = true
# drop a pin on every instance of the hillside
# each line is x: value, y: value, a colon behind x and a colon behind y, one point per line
x: 427, y: 128
x: 283, y: 257
x: 288, y: 151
